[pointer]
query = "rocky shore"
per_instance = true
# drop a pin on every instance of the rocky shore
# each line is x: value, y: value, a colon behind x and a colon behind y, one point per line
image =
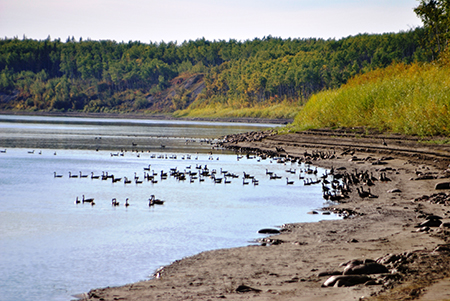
x: 391, y: 244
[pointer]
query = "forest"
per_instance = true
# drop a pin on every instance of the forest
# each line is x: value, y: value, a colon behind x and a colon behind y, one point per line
x: 188, y: 78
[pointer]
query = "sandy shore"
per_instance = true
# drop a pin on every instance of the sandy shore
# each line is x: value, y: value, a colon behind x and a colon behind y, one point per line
x: 295, y: 264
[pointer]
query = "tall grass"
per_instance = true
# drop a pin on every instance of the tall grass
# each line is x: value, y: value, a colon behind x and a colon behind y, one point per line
x: 284, y: 109
x: 411, y: 99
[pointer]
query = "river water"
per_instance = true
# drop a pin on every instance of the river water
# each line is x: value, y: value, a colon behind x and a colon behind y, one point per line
x: 52, y: 248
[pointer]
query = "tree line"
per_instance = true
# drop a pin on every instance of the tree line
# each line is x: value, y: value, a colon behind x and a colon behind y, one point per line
x: 107, y: 76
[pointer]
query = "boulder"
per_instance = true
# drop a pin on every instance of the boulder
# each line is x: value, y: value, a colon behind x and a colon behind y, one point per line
x: 347, y: 280
x: 365, y: 268
x: 269, y: 231
x: 443, y: 185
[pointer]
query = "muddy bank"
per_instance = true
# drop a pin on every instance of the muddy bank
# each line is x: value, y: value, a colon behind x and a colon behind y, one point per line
x: 390, y: 244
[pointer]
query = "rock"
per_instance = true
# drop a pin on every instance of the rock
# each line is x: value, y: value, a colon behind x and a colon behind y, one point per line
x: 371, y: 282
x: 329, y: 273
x: 246, y: 289
x: 423, y: 229
x: 442, y: 248
x: 395, y: 190
x: 269, y: 231
x: 432, y: 216
x: 388, y: 258
x: 445, y: 225
x: 355, y: 262
x: 313, y: 212
x: 347, y: 280
x: 429, y: 223
x: 366, y: 268
x: 443, y: 185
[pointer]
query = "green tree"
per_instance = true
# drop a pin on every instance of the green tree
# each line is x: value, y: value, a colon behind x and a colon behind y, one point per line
x: 435, y: 16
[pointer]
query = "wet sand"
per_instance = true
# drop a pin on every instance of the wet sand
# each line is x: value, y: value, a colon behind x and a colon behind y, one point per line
x: 295, y: 264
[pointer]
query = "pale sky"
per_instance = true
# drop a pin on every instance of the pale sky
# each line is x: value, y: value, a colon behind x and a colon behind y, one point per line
x: 180, y: 20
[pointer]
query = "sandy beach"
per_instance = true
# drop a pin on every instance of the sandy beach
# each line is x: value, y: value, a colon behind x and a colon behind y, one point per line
x: 391, y: 243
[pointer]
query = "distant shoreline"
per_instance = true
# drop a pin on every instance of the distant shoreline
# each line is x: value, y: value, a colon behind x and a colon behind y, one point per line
x: 145, y: 116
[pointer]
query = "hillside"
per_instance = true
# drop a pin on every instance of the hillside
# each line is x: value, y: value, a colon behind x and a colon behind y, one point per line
x: 410, y: 99
x: 259, y: 78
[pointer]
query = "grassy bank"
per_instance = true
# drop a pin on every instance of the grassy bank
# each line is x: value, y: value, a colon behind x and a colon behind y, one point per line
x: 410, y: 99
x: 283, y: 110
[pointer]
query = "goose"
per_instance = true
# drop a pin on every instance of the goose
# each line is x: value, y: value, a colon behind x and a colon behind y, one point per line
x: 77, y: 201
x: 90, y: 200
x: 126, y: 203
x: 156, y: 201
x: 72, y: 176
x: 292, y: 171
x: 372, y: 196
x: 31, y: 152
x: 289, y: 182
x: 94, y: 177
x: 126, y: 181
x: 362, y: 193
x: 325, y: 188
x: 114, y: 202
x: 56, y: 176
x: 138, y: 182
x: 114, y: 180
x: 83, y: 176
x: 244, y: 182
x: 248, y: 176
x: 383, y: 178
x: 275, y: 177
x: 3, y: 151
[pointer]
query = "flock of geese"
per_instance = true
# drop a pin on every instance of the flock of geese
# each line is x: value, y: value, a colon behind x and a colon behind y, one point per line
x: 336, y: 183
x: 151, y: 201
x: 194, y: 173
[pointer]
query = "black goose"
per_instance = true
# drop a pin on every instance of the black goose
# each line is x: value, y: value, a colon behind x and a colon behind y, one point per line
x: 90, y: 200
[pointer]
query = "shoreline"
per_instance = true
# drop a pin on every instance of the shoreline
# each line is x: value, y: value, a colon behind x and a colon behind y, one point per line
x: 144, y: 116
x: 295, y: 264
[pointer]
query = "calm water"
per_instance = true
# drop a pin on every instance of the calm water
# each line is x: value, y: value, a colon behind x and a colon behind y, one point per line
x: 52, y: 248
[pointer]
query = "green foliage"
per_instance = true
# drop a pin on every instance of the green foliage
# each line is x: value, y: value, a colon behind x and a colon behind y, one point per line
x: 435, y: 15
x: 411, y: 99
x: 260, y: 73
